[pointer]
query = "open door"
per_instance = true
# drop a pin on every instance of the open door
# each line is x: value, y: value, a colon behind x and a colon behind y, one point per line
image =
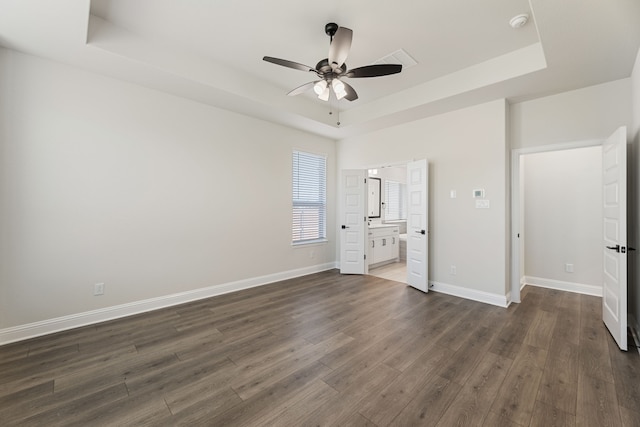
x: 353, y: 232
x: 417, y: 222
x: 614, y: 286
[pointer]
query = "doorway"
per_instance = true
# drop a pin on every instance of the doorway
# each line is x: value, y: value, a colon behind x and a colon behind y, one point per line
x: 390, y: 204
x: 557, y: 218
x: 363, y: 243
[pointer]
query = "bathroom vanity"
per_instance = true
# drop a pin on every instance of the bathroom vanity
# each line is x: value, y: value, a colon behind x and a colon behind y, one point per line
x: 384, y: 244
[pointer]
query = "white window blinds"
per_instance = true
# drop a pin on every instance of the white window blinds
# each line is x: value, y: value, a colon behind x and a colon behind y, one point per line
x: 395, y: 200
x: 309, y: 197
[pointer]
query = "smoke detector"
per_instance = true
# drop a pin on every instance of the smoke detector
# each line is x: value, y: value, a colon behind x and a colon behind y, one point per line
x: 519, y: 20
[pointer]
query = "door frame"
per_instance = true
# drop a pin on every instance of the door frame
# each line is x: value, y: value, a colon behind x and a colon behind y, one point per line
x: 366, y: 169
x: 516, y: 223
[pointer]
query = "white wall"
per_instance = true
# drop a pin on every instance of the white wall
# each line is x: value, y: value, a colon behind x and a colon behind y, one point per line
x: 634, y: 285
x: 579, y: 115
x: 105, y: 181
x: 466, y: 150
x: 563, y: 216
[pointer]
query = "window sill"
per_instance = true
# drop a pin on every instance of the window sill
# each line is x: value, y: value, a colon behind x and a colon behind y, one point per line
x: 310, y: 243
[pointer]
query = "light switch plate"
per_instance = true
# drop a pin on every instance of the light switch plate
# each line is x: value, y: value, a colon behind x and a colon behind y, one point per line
x: 482, y: 204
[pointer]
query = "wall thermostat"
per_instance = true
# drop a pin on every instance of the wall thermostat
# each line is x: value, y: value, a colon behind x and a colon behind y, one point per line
x: 478, y: 194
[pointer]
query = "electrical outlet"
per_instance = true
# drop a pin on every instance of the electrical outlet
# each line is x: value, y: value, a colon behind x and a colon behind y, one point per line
x: 453, y: 270
x: 312, y: 254
x: 568, y: 268
x: 98, y: 289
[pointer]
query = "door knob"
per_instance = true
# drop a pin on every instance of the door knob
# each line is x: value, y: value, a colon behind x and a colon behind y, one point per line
x: 421, y: 232
x: 615, y: 248
x: 344, y: 226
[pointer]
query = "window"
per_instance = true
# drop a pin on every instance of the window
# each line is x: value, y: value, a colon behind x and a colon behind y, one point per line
x: 395, y: 200
x: 309, y: 197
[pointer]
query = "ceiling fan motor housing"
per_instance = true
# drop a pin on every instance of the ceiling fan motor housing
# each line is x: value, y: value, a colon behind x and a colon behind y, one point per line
x: 330, y: 29
x: 325, y: 71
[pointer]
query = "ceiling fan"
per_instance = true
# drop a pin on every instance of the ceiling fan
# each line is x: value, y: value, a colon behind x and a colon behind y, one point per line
x: 333, y: 69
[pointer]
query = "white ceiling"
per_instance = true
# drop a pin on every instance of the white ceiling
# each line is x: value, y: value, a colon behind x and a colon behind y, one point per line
x: 211, y: 51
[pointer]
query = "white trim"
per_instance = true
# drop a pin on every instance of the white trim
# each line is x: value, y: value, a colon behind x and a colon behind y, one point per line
x: 36, y: 329
x: 516, y: 268
x: 578, y: 288
x: 471, y: 294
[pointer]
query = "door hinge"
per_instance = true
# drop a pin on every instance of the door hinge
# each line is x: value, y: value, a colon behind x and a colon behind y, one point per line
x: 365, y: 256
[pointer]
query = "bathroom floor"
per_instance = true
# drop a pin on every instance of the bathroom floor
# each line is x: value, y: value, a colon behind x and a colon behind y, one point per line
x: 396, y: 271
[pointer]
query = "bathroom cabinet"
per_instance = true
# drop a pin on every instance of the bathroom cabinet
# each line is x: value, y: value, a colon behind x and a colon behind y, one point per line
x: 384, y: 244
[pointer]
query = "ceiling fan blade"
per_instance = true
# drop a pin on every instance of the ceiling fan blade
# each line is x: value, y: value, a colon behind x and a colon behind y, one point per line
x: 289, y: 64
x: 374, y: 70
x: 351, y: 92
x: 340, y: 47
x: 301, y: 89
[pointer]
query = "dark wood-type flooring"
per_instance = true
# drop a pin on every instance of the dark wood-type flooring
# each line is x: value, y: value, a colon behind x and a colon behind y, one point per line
x: 330, y: 350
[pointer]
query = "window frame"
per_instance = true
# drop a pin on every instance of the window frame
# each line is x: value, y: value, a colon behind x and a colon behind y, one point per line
x: 314, y: 199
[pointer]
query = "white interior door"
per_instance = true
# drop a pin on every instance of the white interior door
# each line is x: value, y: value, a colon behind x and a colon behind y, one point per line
x: 417, y: 222
x: 353, y: 231
x: 614, y: 286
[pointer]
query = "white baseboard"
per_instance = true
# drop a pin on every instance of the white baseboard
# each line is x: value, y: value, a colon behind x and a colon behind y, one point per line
x: 36, y: 329
x: 578, y: 288
x: 472, y: 294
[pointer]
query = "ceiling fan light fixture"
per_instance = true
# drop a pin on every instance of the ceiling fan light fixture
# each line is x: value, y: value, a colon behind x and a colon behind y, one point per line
x: 325, y: 94
x: 337, y: 85
x: 320, y: 87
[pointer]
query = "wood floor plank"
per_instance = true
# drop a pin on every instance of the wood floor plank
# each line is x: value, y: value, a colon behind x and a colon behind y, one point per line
x: 254, y: 408
x: 143, y: 409
x: 511, y: 336
x: 520, y: 387
x: 178, y: 375
x: 625, y: 366
x: 342, y: 377
x: 384, y: 406
x: 629, y: 417
x: 471, y: 405
x: 112, y: 372
x: 461, y: 365
x: 247, y: 382
x: 597, y: 402
x: 19, y: 401
x: 498, y: 419
x: 540, y: 333
x: 199, y: 405
x: 49, y: 411
x: 559, y: 384
x: 342, y: 407
x: 545, y: 415
x: 57, y: 367
x: 429, y: 404
x: 594, y: 358
x: 295, y: 411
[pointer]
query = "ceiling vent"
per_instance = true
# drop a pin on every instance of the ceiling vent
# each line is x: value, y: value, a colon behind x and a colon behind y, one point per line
x: 400, y: 56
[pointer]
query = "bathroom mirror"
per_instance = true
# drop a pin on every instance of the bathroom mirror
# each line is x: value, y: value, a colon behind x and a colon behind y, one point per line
x: 374, y: 197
